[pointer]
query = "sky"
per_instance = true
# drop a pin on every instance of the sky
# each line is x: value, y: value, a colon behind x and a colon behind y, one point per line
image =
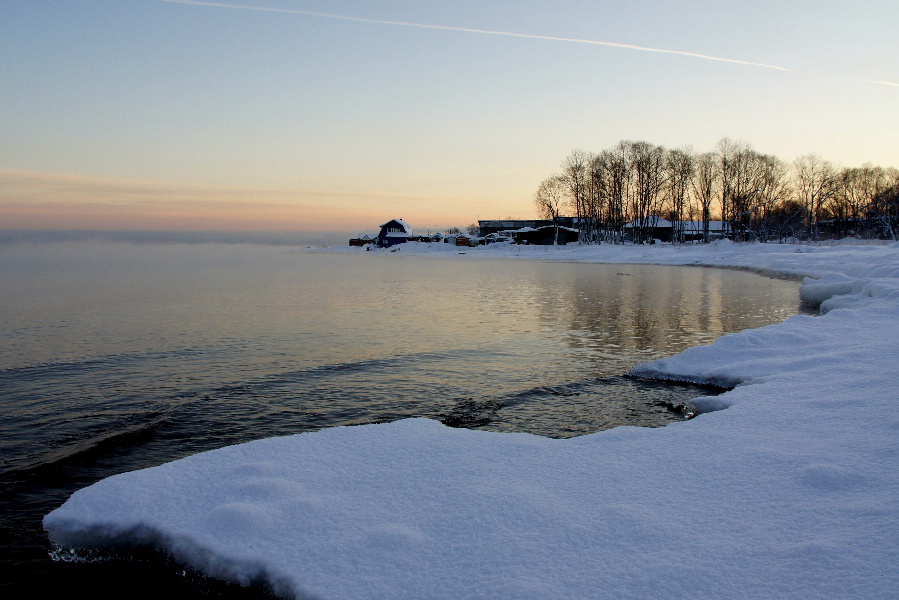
x: 314, y: 115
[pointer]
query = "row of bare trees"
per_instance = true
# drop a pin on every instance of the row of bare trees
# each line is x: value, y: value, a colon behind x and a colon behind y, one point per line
x: 627, y: 188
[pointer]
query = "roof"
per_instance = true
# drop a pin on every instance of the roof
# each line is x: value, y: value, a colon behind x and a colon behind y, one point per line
x: 650, y: 221
x: 559, y: 227
x: 507, y: 223
x: 698, y: 225
x: 656, y: 221
x: 401, y: 223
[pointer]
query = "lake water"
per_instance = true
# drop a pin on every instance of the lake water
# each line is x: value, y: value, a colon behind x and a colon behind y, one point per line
x: 121, y: 356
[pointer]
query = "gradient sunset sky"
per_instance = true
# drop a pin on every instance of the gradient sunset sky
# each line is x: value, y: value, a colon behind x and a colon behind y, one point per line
x: 339, y: 115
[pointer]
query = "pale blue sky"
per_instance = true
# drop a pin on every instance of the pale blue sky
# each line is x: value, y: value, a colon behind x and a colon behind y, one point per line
x: 311, y: 121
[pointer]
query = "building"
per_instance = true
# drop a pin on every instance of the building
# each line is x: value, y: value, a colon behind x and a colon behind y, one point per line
x: 523, y: 230
x: 547, y: 235
x: 393, y: 232
x: 363, y: 239
x: 655, y: 227
x: 487, y: 227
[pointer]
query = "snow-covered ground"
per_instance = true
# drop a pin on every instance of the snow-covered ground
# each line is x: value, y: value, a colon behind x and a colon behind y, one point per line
x: 791, y: 492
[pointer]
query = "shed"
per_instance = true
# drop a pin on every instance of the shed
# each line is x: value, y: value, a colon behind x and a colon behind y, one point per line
x: 363, y: 239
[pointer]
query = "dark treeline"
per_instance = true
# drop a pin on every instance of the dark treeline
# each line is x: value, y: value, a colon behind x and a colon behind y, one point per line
x: 619, y: 193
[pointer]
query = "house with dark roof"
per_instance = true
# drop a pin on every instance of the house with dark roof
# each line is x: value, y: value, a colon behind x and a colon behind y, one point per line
x: 393, y: 232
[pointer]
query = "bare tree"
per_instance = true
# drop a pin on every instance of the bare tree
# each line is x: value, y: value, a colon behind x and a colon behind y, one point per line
x: 726, y: 151
x: 738, y: 185
x: 549, y: 200
x: 594, y: 204
x: 610, y: 182
x: 575, y: 169
x: 786, y: 220
x: 680, y: 167
x: 858, y: 200
x: 885, y: 205
x: 816, y: 182
x: 704, y: 188
x: 760, y: 196
x: 647, y: 168
x: 772, y: 185
x: 849, y: 204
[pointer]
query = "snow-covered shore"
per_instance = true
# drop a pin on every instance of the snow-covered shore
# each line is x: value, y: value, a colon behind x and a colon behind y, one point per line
x: 791, y: 492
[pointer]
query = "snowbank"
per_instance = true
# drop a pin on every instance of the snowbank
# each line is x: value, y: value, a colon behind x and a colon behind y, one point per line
x: 792, y: 492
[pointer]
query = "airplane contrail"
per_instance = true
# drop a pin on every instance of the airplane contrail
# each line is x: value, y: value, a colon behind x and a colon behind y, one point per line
x: 882, y: 82
x: 529, y: 36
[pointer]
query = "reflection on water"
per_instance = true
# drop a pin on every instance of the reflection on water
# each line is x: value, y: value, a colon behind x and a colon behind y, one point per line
x: 246, y: 342
x: 659, y: 310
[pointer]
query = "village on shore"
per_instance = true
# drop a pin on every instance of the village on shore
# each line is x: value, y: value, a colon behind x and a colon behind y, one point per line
x: 538, y: 232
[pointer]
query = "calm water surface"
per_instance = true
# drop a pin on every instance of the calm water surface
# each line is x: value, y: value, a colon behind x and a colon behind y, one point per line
x: 119, y: 356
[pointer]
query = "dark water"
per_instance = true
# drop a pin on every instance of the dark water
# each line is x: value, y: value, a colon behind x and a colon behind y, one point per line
x: 119, y: 356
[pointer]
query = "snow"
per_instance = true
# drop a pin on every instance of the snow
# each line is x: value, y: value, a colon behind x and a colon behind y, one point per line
x: 792, y: 491
x: 406, y: 227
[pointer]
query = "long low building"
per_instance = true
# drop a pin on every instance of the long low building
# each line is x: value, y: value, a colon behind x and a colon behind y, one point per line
x: 486, y: 227
x: 663, y: 229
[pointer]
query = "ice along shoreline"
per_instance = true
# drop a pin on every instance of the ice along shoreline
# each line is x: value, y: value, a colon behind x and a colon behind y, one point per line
x: 790, y: 493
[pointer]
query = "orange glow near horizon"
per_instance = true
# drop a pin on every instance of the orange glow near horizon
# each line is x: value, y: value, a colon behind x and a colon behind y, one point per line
x: 168, y: 217
x: 32, y: 200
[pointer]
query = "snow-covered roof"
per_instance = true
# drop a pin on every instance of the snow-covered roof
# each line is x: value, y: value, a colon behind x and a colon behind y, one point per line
x: 508, y: 223
x: 649, y: 221
x: 699, y: 225
x: 559, y: 227
x: 656, y: 221
x: 401, y: 223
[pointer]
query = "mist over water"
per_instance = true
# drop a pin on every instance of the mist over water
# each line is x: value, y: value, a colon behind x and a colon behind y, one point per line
x: 119, y: 356
x: 266, y: 238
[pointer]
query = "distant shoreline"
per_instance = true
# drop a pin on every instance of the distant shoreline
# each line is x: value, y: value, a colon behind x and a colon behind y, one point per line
x: 128, y: 236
